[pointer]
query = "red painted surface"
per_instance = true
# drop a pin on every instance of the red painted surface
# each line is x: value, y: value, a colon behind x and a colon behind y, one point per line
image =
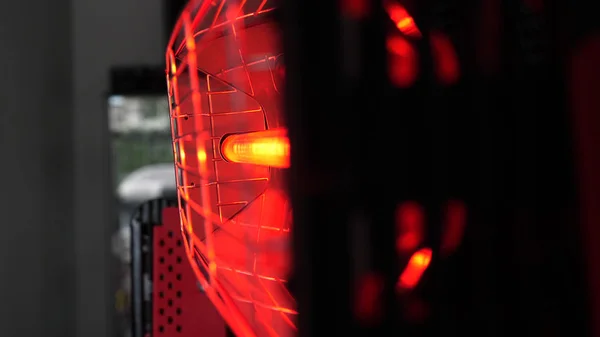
x: 180, y: 307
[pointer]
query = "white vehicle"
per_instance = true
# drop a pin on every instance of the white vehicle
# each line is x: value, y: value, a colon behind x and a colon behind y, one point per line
x: 148, y: 182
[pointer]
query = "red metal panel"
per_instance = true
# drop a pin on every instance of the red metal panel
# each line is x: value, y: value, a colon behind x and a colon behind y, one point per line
x: 180, y: 308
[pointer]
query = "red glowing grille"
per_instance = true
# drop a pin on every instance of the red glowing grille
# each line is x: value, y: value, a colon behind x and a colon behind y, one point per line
x: 223, y: 70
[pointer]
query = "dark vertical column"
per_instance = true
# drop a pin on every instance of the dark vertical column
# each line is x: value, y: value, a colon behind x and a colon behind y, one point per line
x: 314, y: 107
x: 36, y: 175
x: 583, y: 40
x: 341, y: 186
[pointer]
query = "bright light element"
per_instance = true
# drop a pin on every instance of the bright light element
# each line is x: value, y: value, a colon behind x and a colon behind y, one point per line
x: 417, y: 265
x: 266, y: 148
x: 402, y: 19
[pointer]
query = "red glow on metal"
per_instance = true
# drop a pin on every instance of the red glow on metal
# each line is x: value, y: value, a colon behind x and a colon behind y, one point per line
x: 234, y: 210
x: 454, y: 227
x: 355, y: 9
x: 403, y: 63
x: 402, y: 19
x: 410, y: 227
x: 367, y: 306
x: 447, y: 67
x: 415, y: 268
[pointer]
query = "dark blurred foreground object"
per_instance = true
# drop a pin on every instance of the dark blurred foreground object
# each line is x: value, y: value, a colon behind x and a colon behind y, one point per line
x: 172, y: 10
x: 512, y: 135
x: 138, y: 80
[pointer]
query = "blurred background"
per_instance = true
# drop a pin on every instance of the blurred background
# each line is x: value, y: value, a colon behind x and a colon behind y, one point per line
x: 68, y: 139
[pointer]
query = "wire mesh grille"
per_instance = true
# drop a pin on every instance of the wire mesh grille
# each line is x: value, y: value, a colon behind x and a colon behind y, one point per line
x: 224, y: 72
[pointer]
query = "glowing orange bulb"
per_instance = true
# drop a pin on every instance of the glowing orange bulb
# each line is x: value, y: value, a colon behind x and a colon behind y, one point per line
x: 417, y: 265
x: 182, y: 154
x: 202, y: 156
x: 267, y: 148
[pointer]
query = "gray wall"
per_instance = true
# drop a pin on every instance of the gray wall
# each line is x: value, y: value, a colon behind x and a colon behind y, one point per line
x: 105, y: 33
x: 55, y: 197
x: 36, y: 227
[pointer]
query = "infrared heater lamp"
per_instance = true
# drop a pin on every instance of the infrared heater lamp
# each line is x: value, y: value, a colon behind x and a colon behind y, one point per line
x: 224, y: 73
